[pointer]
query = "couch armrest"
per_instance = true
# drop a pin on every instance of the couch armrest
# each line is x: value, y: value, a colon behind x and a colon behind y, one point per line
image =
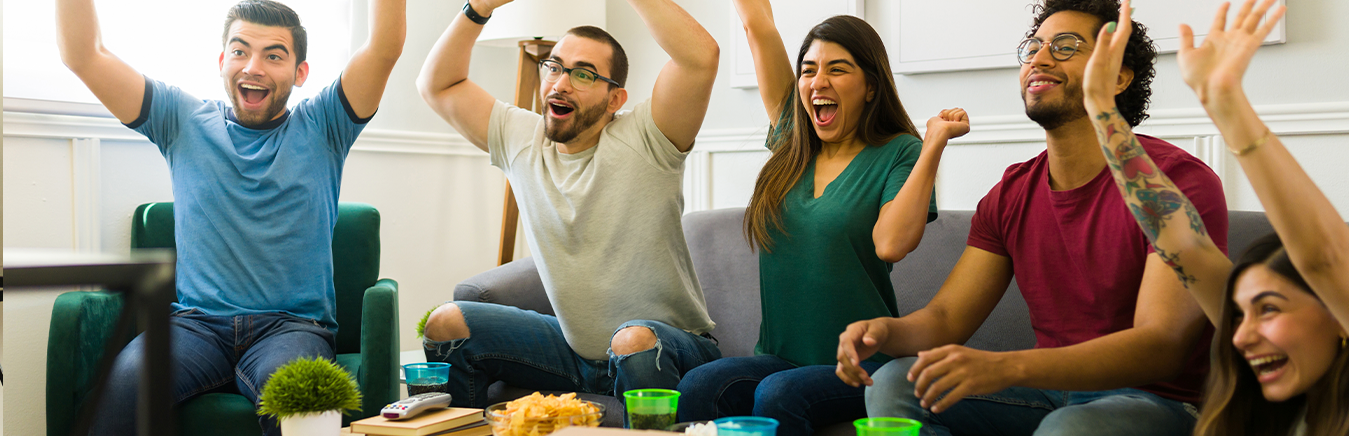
x: 513, y: 284
x: 379, y: 347
x: 80, y: 327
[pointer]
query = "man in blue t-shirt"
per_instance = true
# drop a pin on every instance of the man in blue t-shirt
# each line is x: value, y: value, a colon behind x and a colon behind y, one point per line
x: 255, y: 187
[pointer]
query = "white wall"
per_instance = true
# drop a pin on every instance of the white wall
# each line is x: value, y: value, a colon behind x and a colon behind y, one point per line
x: 441, y: 201
x: 1296, y: 86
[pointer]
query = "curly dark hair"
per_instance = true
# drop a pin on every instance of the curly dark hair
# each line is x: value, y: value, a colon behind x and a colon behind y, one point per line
x: 1140, y: 54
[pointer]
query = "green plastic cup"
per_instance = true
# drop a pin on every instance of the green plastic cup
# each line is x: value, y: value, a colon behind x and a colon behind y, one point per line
x: 887, y: 427
x: 650, y: 409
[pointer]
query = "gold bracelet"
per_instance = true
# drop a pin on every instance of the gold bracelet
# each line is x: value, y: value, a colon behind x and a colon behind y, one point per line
x: 1253, y: 146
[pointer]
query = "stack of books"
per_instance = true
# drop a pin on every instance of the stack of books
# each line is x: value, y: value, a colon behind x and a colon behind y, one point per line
x: 454, y: 421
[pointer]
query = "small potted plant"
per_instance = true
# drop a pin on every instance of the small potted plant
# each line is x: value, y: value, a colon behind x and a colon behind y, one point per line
x: 309, y: 397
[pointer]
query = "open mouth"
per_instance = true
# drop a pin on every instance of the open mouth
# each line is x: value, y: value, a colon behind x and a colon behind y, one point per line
x: 253, y: 95
x: 560, y: 108
x: 825, y: 110
x: 1041, y: 85
x: 1268, y: 365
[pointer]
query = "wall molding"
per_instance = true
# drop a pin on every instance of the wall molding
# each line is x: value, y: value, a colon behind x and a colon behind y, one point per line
x: 1184, y: 125
x: 106, y: 128
x: 1284, y: 119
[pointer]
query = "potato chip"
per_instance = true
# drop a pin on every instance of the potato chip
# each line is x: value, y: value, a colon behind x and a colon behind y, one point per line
x: 539, y: 415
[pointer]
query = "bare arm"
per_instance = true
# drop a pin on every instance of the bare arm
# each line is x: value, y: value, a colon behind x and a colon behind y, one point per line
x: 1168, y: 218
x: 684, y: 86
x: 444, y: 80
x: 772, y: 66
x: 970, y: 293
x: 1167, y: 328
x: 899, y: 228
x: 118, y: 86
x: 1312, y: 230
x: 368, y: 70
x: 1168, y: 325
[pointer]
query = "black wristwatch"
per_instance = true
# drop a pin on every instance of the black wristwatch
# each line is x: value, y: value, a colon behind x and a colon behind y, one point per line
x: 473, y: 15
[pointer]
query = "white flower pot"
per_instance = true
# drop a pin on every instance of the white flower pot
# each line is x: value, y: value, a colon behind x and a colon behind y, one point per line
x: 313, y: 424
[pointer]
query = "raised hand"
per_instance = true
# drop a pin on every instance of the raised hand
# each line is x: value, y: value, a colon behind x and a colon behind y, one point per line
x: 950, y: 123
x: 1102, y: 79
x: 1218, y: 64
x: 860, y: 341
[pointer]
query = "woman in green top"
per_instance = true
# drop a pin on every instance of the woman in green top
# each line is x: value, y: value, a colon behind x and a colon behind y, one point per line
x: 831, y: 212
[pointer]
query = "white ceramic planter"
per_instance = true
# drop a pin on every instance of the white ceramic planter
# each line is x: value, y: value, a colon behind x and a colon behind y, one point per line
x: 313, y: 424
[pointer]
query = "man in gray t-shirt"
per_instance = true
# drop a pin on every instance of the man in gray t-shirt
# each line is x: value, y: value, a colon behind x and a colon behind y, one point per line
x: 600, y: 193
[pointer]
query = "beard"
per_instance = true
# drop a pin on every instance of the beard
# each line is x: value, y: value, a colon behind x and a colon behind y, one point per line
x: 1052, y: 115
x: 582, y: 118
x: 276, y: 105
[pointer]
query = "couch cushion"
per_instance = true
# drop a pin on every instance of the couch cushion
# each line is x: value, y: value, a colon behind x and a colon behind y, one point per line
x: 729, y: 272
x: 918, y: 277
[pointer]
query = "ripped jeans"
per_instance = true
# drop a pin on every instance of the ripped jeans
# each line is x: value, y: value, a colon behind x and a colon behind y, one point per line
x: 526, y: 349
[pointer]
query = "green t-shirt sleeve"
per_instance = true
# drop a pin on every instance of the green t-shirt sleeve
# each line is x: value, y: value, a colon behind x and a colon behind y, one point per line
x: 907, y: 156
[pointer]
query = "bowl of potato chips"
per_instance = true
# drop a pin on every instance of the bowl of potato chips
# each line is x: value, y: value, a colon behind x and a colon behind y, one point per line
x: 538, y: 415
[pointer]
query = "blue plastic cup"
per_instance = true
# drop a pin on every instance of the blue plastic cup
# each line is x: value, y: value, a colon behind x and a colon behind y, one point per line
x: 746, y: 426
x: 427, y: 377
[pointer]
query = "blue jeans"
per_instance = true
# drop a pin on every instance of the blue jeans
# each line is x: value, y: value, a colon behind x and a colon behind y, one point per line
x: 800, y: 398
x: 1026, y: 411
x: 526, y: 349
x: 232, y: 354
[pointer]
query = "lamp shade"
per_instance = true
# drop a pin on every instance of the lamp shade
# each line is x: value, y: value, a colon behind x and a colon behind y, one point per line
x: 547, y: 19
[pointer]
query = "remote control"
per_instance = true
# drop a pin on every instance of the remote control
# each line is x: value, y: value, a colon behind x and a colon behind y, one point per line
x: 410, y: 406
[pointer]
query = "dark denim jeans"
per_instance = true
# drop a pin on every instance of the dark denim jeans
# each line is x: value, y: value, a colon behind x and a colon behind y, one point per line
x: 233, y: 354
x: 1026, y: 411
x: 526, y: 349
x: 800, y: 398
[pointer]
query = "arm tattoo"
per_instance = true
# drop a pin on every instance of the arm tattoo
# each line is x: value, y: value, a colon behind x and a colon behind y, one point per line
x: 1173, y: 260
x: 1152, y: 207
x: 1196, y: 221
x: 1152, y: 197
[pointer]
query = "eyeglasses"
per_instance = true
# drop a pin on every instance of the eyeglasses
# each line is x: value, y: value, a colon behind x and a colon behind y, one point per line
x: 551, y: 70
x: 1062, y: 47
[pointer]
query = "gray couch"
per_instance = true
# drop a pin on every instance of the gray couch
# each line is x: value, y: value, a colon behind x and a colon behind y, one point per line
x: 729, y: 273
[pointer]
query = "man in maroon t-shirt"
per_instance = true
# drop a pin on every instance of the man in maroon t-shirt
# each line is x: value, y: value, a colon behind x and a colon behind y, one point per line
x: 1121, y: 347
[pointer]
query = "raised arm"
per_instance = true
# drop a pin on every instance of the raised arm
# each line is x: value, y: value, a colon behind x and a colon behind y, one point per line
x: 444, y: 80
x: 899, y: 228
x: 368, y: 70
x: 684, y: 86
x: 116, y: 84
x: 1312, y: 230
x: 1166, y: 215
x: 772, y: 66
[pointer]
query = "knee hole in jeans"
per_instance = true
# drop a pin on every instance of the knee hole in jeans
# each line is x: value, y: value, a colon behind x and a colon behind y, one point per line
x: 446, y: 323
x: 633, y: 339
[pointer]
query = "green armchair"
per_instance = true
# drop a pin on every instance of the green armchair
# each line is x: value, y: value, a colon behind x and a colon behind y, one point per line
x: 367, y: 340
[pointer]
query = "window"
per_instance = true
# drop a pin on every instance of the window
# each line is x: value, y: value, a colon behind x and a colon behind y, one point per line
x: 174, y: 41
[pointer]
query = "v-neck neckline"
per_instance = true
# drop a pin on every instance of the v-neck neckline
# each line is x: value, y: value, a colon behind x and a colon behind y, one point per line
x: 814, y: 166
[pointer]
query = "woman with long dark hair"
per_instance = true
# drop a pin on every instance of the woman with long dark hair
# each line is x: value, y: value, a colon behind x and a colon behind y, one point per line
x: 845, y: 194
x: 1280, y: 364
